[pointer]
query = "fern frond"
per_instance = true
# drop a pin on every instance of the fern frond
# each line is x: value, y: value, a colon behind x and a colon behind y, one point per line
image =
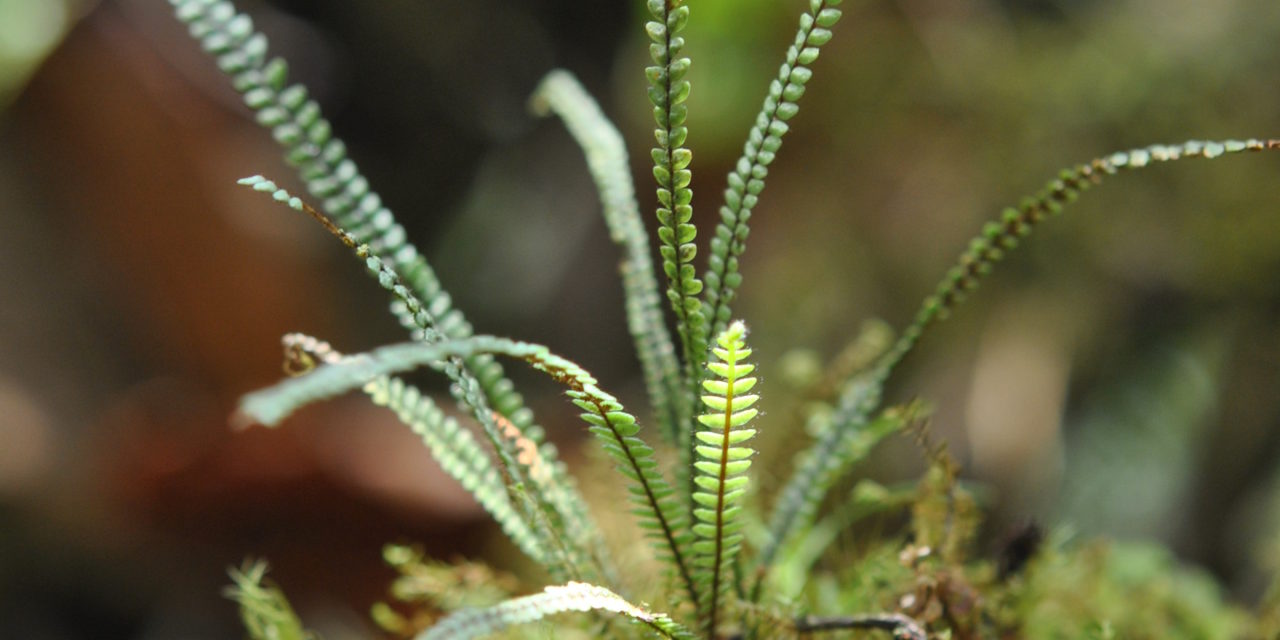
x: 549, y: 500
x: 453, y: 447
x: 297, y: 125
x: 264, y: 610
x: 722, y: 462
x: 829, y: 457
x: 560, y: 93
x: 1002, y: 236
x: 575, y: 596
x: 746, y: 180
x: 321, y: 160
x: 668, y: 91
x: 659, y: 512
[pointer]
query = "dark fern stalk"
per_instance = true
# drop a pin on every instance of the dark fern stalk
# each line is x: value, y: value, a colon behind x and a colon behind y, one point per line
x: 746, y: 181
x: 321, y: 159
x: 606, y: 156
x: 722, y: 463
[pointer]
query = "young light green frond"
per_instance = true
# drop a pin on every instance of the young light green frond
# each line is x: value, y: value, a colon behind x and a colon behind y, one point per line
x: 746, y: 180
x: 263, y: 608
x: 722, y: 459
x: 572, y: 597
x: 659, y: 511
x: 321, y: 160
x: 668, y: 90
x: 549, y: 497
x: 1002, y: 236
x: 606, y: 154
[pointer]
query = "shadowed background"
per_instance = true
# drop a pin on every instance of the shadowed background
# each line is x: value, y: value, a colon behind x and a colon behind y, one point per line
x: 1118, y: 373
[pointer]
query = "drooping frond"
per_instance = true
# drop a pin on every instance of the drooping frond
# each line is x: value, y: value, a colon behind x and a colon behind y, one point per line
x: 549, y: 501
x: 296, y: 123
x: 575, y: 596
x: 659, y: 512
x: 264, y: 610
x: 606, y: 154
x: 453, y: 447
x: 999, y: 237
x: 668, y: 91
x: 746, y: 180
x: 321, y: 159
x: 722, y: 460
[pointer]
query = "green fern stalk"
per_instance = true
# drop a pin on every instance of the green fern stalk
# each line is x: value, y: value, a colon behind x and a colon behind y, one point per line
x: 606, y: 153
x: 746, y: 181
x: 723, y: 460
x: 321, y: 159
x: 453, y: 447
x: 575, y: 596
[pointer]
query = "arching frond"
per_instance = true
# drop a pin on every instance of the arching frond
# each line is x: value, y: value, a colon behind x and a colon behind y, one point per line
x: 606, y: 153
x: 659, y: 512
x: 1002, y: 236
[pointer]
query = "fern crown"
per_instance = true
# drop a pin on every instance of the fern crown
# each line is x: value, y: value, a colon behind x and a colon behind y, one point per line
x: 717, y: 547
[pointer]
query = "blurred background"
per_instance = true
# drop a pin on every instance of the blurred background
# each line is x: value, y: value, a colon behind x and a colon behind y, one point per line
x: 1118, y: 373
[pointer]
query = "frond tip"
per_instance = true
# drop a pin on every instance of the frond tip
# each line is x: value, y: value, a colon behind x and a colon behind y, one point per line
x: 721, y: 462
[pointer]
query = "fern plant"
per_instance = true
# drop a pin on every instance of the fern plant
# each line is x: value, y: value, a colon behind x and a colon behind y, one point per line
x: 729, y: 566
